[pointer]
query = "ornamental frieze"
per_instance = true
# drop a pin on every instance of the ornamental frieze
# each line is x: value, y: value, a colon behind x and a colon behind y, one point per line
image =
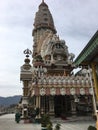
x: 65, y: 81
x: 62, y: 91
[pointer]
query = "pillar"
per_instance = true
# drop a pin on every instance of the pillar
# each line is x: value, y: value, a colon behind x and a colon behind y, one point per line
x: 25, y: 88
x: 73, y: 107
x: 51, y: 105
x: 95, y: 79
x: 39, y: 105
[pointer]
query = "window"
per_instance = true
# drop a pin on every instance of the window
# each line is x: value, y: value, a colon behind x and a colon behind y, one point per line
x: 45, y: 14
x: 45, y: 19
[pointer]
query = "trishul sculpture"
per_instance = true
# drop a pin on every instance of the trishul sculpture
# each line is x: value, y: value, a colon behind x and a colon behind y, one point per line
x: 27, y: 52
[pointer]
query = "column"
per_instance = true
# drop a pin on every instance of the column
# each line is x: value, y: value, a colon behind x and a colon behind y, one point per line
x: 93, y: 86
x: 25, y: 88
x: 51, y: 105
x: 42, y: 105
x: 39, y: 106
x: 95, y: 79
x: 73, y: 107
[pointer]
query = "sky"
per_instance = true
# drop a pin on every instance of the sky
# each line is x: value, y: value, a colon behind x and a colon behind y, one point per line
x: 76, y: 21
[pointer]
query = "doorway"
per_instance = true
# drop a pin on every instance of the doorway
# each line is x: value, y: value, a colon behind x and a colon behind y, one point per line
x: 62, y: 105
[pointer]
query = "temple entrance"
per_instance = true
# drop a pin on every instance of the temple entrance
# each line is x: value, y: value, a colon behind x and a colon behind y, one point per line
x: 62, y: 106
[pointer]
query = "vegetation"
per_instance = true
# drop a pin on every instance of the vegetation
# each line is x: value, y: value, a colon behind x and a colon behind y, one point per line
x: 57, y: 127
x: 47, y: 124
x: 91, y: 128
x: 45, y: 120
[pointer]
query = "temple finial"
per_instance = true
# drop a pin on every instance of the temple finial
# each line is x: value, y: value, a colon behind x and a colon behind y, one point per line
x: 42, y: 1
x: 27, y: 52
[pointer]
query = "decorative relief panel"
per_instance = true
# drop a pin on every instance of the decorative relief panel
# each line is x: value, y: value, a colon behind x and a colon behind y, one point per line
x: 52, y: 91
x: 91, y: 91
x: 72, y: 91
x: 62, y: 91
x: 82, y: 91
x: 42, y: 91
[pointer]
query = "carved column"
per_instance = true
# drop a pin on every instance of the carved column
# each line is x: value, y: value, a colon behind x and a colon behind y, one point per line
x: 25, y: 88
x: 39, y: 105
x: 51, y: 105
x: 37, y: 101
x: 95, y: 79
x: 73, y: 107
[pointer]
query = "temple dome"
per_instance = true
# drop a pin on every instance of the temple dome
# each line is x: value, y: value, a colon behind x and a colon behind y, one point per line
x: 43, y: 18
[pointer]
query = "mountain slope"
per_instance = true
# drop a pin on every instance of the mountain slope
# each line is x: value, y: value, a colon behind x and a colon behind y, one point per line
x: 7, y: 101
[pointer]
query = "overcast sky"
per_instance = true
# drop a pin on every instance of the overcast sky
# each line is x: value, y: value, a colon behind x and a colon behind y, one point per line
x: 76, y: 22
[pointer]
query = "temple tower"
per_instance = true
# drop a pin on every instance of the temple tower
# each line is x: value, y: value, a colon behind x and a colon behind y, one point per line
x: 48, y: 47
x: 43, y: 25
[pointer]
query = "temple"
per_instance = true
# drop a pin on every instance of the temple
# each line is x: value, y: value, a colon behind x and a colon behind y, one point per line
x: 50, y: 84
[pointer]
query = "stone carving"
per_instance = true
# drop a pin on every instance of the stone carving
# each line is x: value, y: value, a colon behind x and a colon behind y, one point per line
x: 91, y: 91
x: 70, y: 58
x: 52, y: 91
x: 62, y: 91
x: 53, y: 49
x: 33, y: 92
x: 72, y: 91
x: 42, y: 91
x: 82, y: 91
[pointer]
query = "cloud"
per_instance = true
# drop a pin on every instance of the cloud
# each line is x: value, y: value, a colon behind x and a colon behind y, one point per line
x: 77, y: 16
x: 75, y: 20
x: 10, y: 90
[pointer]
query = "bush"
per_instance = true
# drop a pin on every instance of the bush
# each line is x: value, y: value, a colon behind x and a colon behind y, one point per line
x: 45, y: 120
x: 91, y: 128
x: 57, y: 127
x: 49, y: 126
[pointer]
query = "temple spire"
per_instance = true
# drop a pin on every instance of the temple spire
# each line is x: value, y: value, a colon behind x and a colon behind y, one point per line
x: 42, y: 1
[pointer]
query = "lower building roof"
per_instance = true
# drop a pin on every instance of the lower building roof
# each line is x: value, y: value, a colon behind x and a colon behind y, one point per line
x: 90, y: 53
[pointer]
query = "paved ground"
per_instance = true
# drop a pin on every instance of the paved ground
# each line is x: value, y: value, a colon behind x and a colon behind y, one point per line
x: 7, y: 122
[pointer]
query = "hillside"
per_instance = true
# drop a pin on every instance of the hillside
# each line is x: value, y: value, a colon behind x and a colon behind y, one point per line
x: 7, y: 101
